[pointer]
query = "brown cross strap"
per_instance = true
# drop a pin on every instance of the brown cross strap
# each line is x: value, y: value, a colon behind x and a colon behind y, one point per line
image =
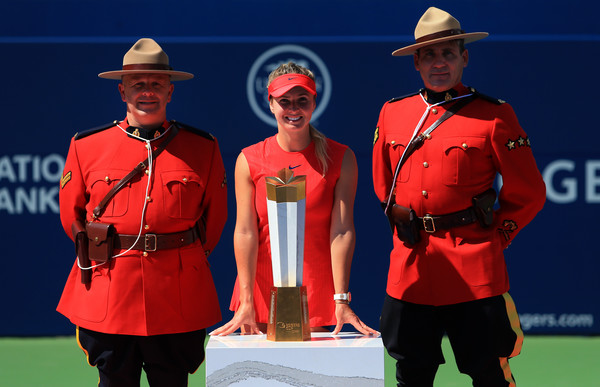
x: 418, y: 141
x: 137, y: 170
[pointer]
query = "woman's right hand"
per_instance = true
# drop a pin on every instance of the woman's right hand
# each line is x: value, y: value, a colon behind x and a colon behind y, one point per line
x: 244, y: 316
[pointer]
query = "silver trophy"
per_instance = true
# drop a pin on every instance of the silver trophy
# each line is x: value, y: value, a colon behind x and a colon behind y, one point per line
x: 286, y: 208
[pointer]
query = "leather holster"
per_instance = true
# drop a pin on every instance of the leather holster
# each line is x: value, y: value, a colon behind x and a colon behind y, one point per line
x: 404, y: 221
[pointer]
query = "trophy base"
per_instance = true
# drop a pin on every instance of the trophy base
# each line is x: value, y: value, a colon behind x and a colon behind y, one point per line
x: 288, y: 314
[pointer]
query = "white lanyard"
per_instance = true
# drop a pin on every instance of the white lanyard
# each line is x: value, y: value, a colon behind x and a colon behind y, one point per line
x: 150, y: 169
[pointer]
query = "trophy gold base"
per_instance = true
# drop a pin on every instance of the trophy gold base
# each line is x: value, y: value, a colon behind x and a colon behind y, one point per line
x: 288, y: 314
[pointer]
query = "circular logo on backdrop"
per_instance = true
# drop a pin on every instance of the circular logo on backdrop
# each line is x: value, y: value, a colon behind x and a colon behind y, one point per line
x: 256, y: 84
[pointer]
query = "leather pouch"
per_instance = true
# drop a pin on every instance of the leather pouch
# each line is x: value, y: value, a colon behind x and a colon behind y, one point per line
x: 100, y: 241
x: 405, y: 221
x: 484, y: 207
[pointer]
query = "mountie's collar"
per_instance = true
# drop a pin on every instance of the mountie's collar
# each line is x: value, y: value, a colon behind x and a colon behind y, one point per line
x: 433, y: 97
x: 145, y: 133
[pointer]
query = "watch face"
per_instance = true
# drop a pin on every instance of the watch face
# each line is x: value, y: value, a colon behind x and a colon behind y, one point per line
x: 342, y: 296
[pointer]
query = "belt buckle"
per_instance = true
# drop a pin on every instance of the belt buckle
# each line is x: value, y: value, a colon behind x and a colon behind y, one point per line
x: 428, y: 224
x: 150, y: 242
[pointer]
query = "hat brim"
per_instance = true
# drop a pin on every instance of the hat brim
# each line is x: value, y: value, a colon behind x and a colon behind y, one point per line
x: 284, y: 89
x: 468, y: 38
x: 175, y: 75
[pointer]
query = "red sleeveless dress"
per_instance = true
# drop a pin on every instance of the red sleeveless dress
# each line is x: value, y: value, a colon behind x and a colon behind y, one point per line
x: 265, y: 159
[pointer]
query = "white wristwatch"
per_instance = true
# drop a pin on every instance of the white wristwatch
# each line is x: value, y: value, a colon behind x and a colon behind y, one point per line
x: 342, y: 297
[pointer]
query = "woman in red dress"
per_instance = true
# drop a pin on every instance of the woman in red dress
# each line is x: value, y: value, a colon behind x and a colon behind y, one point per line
x: 331, y: 177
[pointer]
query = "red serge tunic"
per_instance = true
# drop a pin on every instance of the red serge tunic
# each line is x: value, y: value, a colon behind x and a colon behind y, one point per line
x: 166, y: 291
x: 265, y: 159
x: 459, y: 161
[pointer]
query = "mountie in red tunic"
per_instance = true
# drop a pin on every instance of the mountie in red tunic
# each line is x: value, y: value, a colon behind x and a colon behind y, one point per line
x: 459, y: 160
x: 156, y: 292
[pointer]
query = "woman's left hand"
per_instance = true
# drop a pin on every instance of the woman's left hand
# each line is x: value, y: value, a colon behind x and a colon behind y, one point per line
x: 345, y: 315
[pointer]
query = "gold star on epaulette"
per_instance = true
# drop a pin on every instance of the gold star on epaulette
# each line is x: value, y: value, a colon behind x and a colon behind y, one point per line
x: 376, y: 136
x: 528, y: 142
x: 510, y: 144
x: 521, y: 141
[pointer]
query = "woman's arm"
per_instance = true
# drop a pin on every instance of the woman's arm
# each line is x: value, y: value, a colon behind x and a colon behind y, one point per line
x: 342, y: 240
x: 342, y: 234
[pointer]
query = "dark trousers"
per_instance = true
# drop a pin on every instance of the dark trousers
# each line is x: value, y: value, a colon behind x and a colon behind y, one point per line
x: 166, y: 359
x: 483, y: 334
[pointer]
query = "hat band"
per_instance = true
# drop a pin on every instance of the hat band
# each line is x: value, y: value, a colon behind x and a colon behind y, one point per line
x: 147, y: 66
x: 438, y: 35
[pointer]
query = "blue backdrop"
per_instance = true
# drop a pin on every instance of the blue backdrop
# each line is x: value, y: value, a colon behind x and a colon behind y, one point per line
x: 541, y: 57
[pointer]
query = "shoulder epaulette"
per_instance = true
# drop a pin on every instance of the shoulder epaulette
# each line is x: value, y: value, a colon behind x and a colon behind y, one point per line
x: 197, y: 131
x: 402, y: 97
x: 496, y: 101
x: 97, y: 129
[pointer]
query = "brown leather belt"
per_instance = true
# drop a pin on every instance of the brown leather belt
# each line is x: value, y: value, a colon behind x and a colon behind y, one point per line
x: 154, y: 242
x: 431, y: 223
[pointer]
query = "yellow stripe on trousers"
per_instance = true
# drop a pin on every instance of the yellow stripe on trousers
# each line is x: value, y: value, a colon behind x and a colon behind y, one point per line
x: 87, y: 356
x: 515, y: 324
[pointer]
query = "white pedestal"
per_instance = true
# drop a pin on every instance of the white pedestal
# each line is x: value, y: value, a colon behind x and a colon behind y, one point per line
x: 346, y: 360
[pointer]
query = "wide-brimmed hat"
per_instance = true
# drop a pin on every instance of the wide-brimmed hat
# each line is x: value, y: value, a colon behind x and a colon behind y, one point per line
x: 146, y: 57
x: 436, y: 26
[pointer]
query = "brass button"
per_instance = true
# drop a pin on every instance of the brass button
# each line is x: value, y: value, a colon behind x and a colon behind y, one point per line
x: 106, y: 179
x: 434, y: 111
x: 147, y: 146
x: 464, y: 145
x: 147, y: 171
x: 392, y: 142
x: 146, y: 227
x: 185, y: 179
x: 145, y: 253
x: 148, y: 199
x: 426, y: 164
x: 424, y: 193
